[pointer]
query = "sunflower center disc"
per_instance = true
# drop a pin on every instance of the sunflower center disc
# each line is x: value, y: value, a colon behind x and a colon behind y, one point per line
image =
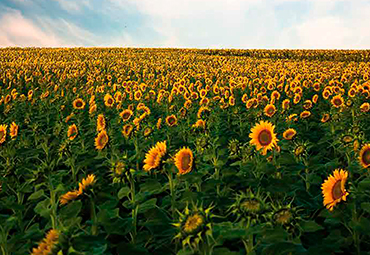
x: 185, y: 161
x: 365, y: 157
x: 337, y: 190
x: 264, y: 138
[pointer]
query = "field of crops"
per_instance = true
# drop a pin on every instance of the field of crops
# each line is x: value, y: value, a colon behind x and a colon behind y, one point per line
x: 184, y: 151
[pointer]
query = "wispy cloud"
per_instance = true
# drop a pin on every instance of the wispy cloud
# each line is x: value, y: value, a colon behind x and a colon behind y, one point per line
x: 186, y: 23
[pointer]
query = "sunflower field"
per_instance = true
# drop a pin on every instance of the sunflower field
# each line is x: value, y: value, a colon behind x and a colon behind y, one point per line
x: 184, y: 151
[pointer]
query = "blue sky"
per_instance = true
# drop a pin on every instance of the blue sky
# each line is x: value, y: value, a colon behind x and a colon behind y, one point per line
x: 268, y: 24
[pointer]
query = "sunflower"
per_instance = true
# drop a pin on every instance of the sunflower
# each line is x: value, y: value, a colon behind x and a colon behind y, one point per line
x: 199, y: 124
x: 92, y: 108
x: 305, y: 114
x: 13, y: 130
x: 159, y: 123
x: 365, y: 156
x: 101, y: 140
x: 78, y: 104
x: 337, y: 101
x: 289, y: 134
x: 69, y: 196
x: 100, y: 123
x: 147, y: 131
x: 171, y: 120
x: 193, y: 222
x: 263, y: 136
x: 365, y: 107
x: 47, y: 244
x: 270, y: 110
x: 154, y: 155
x: 333, y: 189
x: 126, y: 114
x: 108, y: 100
x: 325, y: 117
x: 72, y: 132
x: 184, y: 160
x: 86, y: 182
x: 3, y: 133
x: 127, y: 129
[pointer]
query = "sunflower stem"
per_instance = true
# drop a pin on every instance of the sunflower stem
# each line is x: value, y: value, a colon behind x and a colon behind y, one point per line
x: 94, y: 227
x: 172, y: 189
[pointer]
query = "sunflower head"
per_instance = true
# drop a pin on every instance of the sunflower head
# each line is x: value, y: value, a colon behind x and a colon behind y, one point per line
x: 3, y: 133
x: 285, y: 215
x: 86, y: 183
x: 13, y: 130
x: 154, y: 156
x: 184, y: 160
x: 270, y: 110
x: 72, y: 132
x: 127, y: 130
x: 108, y: 100
x: 101, y: 140
x: 250, y: 207
x: 234, y: 148
x: 100, y: 123
x: 263, y: 136
x: 289, y: 134
x: 126, y: 115
x: 171, y: 120
x: 337, y: 101
x: 194, y: 226
x: 78, y: 104
x: 364, y: 156
x: 333, y: 189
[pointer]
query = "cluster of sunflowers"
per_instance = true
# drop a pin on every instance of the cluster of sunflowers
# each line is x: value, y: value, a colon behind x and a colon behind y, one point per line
x: 271, y: 149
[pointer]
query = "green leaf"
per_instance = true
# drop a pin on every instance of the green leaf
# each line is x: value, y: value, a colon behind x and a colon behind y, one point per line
x: 151, y: 203
x: 123, y: 192
x: 71, y: 210
x: 365, y: 206
x: 42, y: 208
x: 364, y: 185
x: 36, y: 195
x: 310, y: 226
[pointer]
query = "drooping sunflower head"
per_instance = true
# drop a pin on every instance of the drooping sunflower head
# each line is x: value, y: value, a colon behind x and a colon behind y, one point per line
x: 100, y: 123
x: 3, y: 133
x: 79, y: 104
x: 289, y: 134
x: 127, y: 130
x: 333, y: 189
x: 184, y: 160
x: 364, y: 156
x: 365, y: 107
x: 13, y: 130
x: 86, y: 183
x: 69, y: 196
x: 199, y: 124
x: 263, y: 136
x: 47, y: 244
x: 154, y: 155
x: 72, y: 132
x: 101, y: 140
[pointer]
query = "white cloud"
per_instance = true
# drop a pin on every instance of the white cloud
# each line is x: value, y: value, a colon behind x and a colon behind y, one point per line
x: 72, y: 5
x: 16, y: 30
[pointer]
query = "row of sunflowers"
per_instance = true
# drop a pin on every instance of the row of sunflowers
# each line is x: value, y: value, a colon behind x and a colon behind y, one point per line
x: 184, y: 151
